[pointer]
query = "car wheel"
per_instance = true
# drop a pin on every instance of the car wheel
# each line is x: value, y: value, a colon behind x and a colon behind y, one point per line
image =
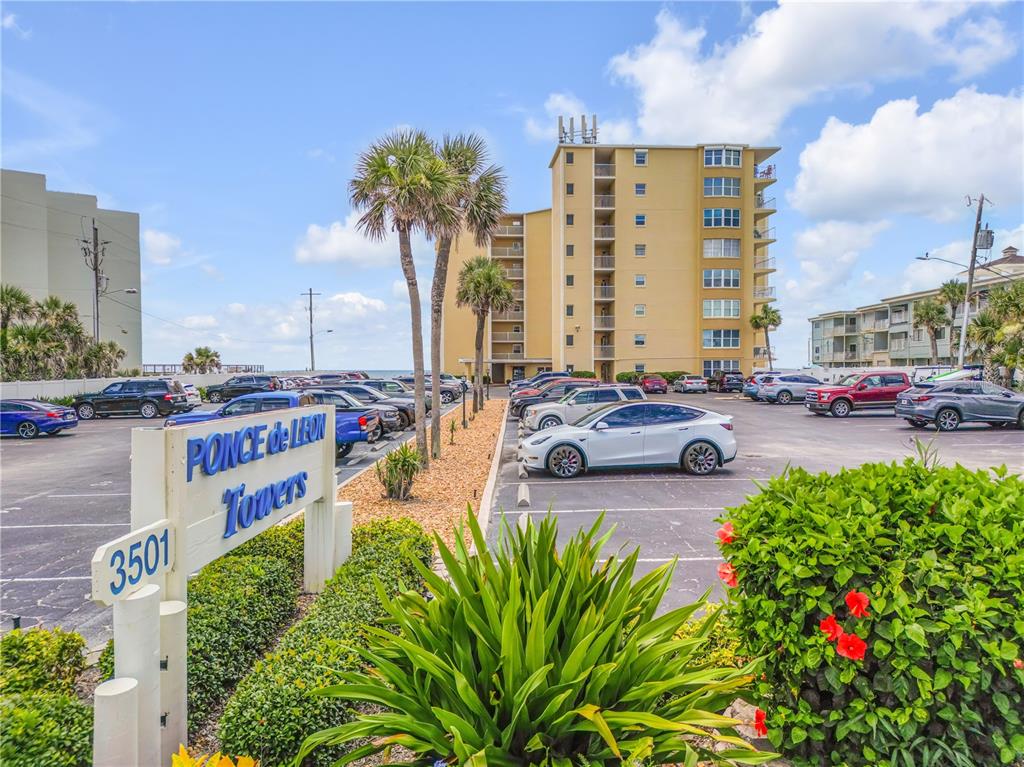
x: 548, y: 421
x: 214, y: 396
x: 947, y: 419
x: 148, y: 410
x: 344, y: 449
x: 377, y: 433
x: 28, y: 430
x: 565, y: 461
x: 784, y: 398
x: 86, y: 412
x: 1020, y: 420
x: 840, y: 408
x: 700, y: 458
x: 404, y: 420
x: 446, y: 398
x: 917, y: 423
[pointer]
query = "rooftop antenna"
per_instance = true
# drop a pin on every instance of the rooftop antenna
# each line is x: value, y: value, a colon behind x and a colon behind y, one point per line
x: 561, y: 130
x: 593, y: 129
x: 572, y: 130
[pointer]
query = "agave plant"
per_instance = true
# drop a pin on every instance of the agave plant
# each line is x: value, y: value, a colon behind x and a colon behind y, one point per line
x: 535, y: 657
x: 396, y: 471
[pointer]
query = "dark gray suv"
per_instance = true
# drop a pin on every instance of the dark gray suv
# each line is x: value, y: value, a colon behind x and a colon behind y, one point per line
x: 948, y: 405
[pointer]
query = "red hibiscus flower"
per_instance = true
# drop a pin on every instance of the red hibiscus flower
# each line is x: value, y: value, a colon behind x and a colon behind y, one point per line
x: 728, y: 574
x: 851, y: 646
x: 1018, y: 663
x: 760, y: 728
x: 858, y: 603
x: 833, y: 630
x: 726, y: 534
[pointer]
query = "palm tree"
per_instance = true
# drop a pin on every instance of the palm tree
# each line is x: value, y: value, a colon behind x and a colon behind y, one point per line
x: 483, y: 288
x: 767, y: 319
x: 202, y: 360
x: 67, y: 331
x: 480, y: 201
x: 15, y: 304
x: 952, y: 294
x: 982, y: 332
x: 401, y: 185
x: 103, y: 359
x: 34, y: 351
x: 930, y: 315
x: 1007, y: 303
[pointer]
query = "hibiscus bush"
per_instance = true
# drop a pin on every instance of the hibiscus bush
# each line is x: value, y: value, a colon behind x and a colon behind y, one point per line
x: 887, y: 602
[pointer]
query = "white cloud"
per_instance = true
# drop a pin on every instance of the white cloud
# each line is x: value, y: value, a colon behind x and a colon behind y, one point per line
x: 236, y: 308
x: 10, y: 21
x: 319, y: 153
x: 342, y: 242
x: 906, y: 161
x: 161, y: 248
x: 400, y: 290
x: 827, y: 254
x: 567, y: 105
x: 199, y: 321
x: 211, y: 271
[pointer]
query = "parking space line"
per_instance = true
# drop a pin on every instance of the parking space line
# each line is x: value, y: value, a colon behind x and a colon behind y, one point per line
x: 69, y: 524
x: 702, y: 480
x: 641, y: 508
x: 32, y: 497
x: 47, y: 580
x: 679, y: 559
x: 89, y: 495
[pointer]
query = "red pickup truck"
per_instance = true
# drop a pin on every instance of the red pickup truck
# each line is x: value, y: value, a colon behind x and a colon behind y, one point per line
x: 857, y: 391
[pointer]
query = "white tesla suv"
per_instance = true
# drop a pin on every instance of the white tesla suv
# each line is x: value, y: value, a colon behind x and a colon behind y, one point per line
x: 636, y: 434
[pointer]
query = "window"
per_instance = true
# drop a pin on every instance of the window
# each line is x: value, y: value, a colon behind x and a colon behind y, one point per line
x: 114, y: 388
x: 570, y: 280
x: 568, y: 369
x: 132, y: 387
x: 241, y: 407
x: 640, y: 190
x: 640, y: 219
x: 873, y: 382
x: 639, y: 367
x: 569, y: 309
x: 639, y: 339
x: 940, y: 333
x: 640, y: 250
x: 603, y: 395
x: 894, y: 380
x: 570, y: 188
x: 628, y: 416
x: 640, y: 157
x: 918, y: 334
x: 640, y: 280
x: 569, y: 340
x: 717, y: 156
x: 721, y: 248
x: 722, y: 217
x: 668, y: 414
x: 726, y: 366
x: 986, y: 388
x: 570, y: 219
x: 721, y: 307
x: 721, y: 187
x: 583, y: 397
x: 633, y: 394
x: 721, y: 278
x: 570, y: 251
x: 275, y: 404
x: 570, y: 157
x: 721, y: 339
x: 639, y: 310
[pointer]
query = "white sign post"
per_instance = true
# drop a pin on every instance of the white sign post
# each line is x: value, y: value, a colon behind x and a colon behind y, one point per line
x: 197, y: 492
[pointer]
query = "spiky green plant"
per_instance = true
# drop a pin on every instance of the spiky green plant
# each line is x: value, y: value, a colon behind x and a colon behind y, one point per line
x: 541, y: 657
x: 397, y: 470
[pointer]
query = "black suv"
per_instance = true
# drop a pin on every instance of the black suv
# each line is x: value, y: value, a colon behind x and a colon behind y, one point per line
x: 236, y: 386
x: 146, y: 397
x: 721, y: 380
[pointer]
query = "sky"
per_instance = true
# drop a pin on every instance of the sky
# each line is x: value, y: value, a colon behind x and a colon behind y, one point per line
x: 233, y: 128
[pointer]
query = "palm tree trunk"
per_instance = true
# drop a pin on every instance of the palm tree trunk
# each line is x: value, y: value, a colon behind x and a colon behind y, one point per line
x: 444, y: 248
x: 935, y: 347
x: 478, y: 378
x: 409, y: 270
x: 768, y: 349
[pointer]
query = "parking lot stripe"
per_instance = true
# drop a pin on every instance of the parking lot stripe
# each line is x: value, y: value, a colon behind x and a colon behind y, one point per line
x: 642, y: 508
x: 47, y: 580
x: 681, y: 559
x: 69, y: 524
x: 666, y: 478
x: 89, y: 495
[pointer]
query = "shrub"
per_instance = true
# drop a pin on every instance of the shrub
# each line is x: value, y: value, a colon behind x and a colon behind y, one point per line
x: 284, y: 542
x: 396, y: 471
x: 627, y: 377
x: 40, y: 659
x: 918, y: 569
x: 584, y: 374
x: 538, y: 657
x: 272, y: 709
x: 64, y: 401
x: 45, y: 728
x: 670, y: 376
x: 721, y: 645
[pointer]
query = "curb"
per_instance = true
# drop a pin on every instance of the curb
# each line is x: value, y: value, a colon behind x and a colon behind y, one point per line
x: 483, y: 514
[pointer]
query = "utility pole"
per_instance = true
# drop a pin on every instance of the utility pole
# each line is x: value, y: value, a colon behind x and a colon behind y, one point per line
x: 93, y: 253
x: 970, y: 280
x: 312, y: 354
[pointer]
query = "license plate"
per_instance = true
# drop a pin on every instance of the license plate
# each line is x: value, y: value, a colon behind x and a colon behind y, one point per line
x: 904, y: 402
x: 69, y: 416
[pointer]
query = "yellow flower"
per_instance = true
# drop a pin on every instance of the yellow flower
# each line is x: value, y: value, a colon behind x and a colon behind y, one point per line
x: 184, y: 759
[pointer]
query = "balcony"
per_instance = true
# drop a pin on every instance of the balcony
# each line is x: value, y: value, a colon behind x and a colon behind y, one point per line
x: 507, y: 252
x: 604, y: 352
x: 604, y: 263
x: 604, y: 201
x: 508, y: 316
x: 851, y: 355
x: 765, y: 292
x: 760, y: 352
x: 517, y: 294
x: 508, y: 356
x: 604, y: 292
x: 506, y: 337
x: 513, y: 273
x: 604, y: 322
x: 765, y: 172
x: 516, y: 230
x: 764, y: 236
x: 765, y: 264
x: 604, y: 232
x: 762, y: 204
x: 604, y: 170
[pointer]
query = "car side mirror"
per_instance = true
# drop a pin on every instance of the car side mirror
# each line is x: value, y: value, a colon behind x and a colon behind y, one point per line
x: 600, y: 426
x: 1007, y: 393
x: 862, y: 387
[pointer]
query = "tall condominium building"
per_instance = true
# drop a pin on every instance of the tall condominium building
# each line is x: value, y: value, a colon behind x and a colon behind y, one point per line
x: 41, y: 234
x: 883, y: 334
x: 650, y: 258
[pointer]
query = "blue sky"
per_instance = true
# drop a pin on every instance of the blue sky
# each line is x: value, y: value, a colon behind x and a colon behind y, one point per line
x: 232, y: 128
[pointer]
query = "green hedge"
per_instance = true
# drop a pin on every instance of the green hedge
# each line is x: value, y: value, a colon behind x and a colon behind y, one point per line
x: 670, y: 376
x: 40, y: 659
x: 284, y: 541
x: 938, y: 553
x: 584, y: 374
x: 272, y: 710
x: 45, y: 728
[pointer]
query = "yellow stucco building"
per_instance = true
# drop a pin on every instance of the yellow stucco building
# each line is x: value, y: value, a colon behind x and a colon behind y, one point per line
x: 649, y: 259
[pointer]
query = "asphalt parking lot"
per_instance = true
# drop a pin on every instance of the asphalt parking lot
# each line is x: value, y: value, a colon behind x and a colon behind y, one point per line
x: 62, y: 497
x: 670, y: 514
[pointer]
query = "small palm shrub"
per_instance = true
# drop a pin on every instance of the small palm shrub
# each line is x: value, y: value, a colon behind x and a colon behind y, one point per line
x: 396, y: 471
x: 540, y: 658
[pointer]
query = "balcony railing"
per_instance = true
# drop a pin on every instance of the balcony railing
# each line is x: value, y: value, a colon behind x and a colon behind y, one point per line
x: 604, y: 291
x: 604, y: 262
x: 604, y: 201
x: 516, y: 230
x: 605, y: 170
x: 604, y: 352
x: 851, y: 355
x: 767, y: 291
x: 507, y: 316
x: 764, y: 234
x: 505, y: 337
x: 766, y: 171
x: 517, y: 295
x: 768, y: 262
x: 760, y: 352
x: 604, y: 322
x: 508, y: 356
x: 513, y: 274
x: 604, y: 231
x: 765, y: 204
x: 507, y: 252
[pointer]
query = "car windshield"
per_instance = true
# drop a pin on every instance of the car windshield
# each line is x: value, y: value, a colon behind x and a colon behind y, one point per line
x: 594, y: 415
x: 848, y: 380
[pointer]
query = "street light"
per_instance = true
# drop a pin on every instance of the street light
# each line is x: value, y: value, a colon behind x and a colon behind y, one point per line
x: 312, y: 354
x: 928, y: 257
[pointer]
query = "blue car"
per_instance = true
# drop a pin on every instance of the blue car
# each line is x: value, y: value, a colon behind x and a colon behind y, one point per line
x: 28, y: 418
x: 351, y: 424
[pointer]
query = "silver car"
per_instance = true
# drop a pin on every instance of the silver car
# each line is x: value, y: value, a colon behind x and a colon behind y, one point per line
x: 690, y: 383
x: 786, y: 388
x: 948, y: 405
x: 576, y: 404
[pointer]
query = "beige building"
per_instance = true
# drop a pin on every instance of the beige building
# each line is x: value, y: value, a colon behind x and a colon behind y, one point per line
x: 41, y: 234
x: 651, y: 258
x: 883, y: 334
